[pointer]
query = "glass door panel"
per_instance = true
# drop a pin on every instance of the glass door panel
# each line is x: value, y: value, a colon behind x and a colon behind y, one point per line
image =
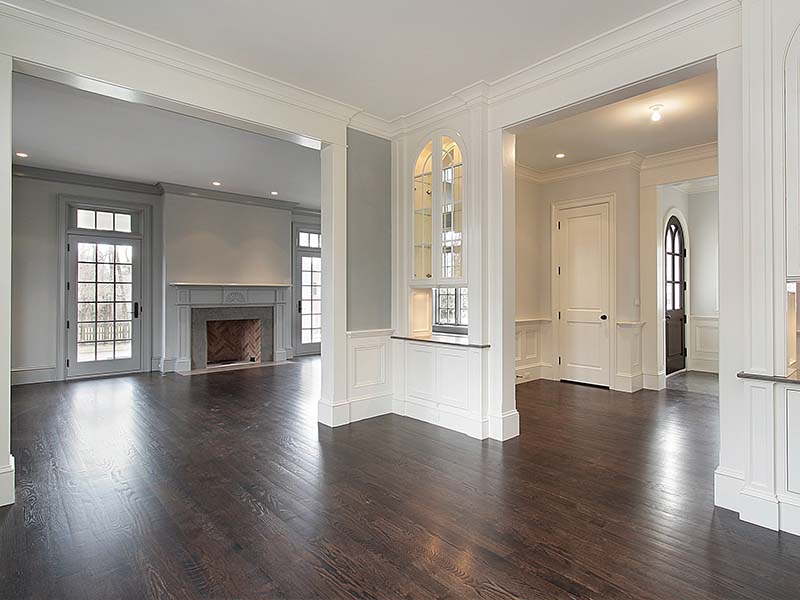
x: 308, y: 275
x: 103, y: 305
x: 452, y: 209
x: 423, y: 214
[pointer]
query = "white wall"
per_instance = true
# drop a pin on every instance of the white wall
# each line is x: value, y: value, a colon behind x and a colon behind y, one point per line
x: 704, y: 235
x: 533, y: 251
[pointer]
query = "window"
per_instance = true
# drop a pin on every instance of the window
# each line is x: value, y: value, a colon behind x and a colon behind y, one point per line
x: 450, y: 310
x: 452, y: 208
x: 101, y: 220
x: 311, y: 300
x: 309, y: 239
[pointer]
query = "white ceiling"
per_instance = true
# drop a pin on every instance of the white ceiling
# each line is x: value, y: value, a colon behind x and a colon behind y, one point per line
x: 70, y: 130
x: 689, y: 119
x: 388, y: 58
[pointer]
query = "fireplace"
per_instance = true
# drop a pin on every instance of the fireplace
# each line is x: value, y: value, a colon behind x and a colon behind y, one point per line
x: 232, y: 334
x: 233, y: 341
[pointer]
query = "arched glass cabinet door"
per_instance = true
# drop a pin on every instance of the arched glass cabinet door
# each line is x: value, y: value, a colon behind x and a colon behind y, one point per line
x: 452, y: 211
x: 423, y: 214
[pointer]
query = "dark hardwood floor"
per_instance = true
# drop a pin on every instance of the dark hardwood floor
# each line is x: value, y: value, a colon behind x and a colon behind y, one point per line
x: 224, y: 486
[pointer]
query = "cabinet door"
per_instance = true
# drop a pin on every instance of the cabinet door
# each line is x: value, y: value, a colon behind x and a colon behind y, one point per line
x: 422, y: 219
x: 451, y: 230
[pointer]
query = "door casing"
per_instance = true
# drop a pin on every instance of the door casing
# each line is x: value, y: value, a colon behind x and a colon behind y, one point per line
x: 610, y: 200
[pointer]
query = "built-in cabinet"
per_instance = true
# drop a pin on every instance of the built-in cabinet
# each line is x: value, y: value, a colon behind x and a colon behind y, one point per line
x: 437, y: 223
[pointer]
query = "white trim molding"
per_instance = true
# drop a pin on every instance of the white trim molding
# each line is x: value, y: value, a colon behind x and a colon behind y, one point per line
x: 216, y: 295
x: 533, y: 357
x: 369, y: 373
x: 7, y: 483
x: 703, y: 350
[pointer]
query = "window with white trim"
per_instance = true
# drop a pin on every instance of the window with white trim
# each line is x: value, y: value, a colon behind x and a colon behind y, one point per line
x: 309, y: 239
x: 105, y: 220
x: 450, y: 310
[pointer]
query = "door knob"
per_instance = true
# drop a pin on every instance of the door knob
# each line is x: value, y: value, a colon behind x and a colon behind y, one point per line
x: 603, y: 317
x: 667, y: 317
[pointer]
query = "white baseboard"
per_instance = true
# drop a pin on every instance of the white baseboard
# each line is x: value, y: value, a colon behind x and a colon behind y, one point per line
x: 702, y: 364
x: 790, y: 514
x: 526, y: 373
x: 728, y: 485
x: 280, y: 355
x: 333, y: 415
x: 367, y: 408
x: 155, y: 364
x: 182, y: 365
x: 24, y: 375
x: 421, y: 410
x: 759, y: 508
x: 7, y: 483
x: 654, y: 381
x: 504, y: 427
x: 625, y: 382
x: 168, y: 365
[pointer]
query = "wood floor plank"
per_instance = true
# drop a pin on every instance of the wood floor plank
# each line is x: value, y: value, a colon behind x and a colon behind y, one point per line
x: 224, y: 486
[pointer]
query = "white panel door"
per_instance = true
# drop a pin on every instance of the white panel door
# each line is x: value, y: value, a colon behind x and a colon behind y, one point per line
x: 308, y: 295
x: 583, y: 294
x: 104, y: 305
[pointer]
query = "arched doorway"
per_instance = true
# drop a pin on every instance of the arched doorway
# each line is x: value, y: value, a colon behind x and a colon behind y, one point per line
x: 675, y: 296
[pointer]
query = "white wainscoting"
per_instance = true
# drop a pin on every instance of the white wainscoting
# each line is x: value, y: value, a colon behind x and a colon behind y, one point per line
x: 441, y: 384
x: 703, y: 350
x: 369, y: 373
x: 533, y: 350
x: 629, y: 376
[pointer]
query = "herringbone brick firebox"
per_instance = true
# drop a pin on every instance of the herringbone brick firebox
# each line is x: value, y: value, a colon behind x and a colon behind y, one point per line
x: 233, y: 341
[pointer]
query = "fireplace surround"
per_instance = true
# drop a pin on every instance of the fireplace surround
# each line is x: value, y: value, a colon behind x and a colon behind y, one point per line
x: 198, y: 303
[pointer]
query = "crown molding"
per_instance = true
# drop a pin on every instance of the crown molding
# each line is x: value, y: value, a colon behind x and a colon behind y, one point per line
x: 684, y: 155
x: 699, y: 186
x: 631, y: 160
x: 301, y: 213
x: 108, y: 183
x: 649, y: 29
x: 195, y: 192
x: 82, y: 25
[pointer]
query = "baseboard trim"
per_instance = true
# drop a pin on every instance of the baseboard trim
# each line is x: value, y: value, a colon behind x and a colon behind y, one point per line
x: 626, y: 382
x: 504, y: 427
x: 760, y: 509
x: 421, y: 410
x: 728, y: 485
x: 25, y: 375
x: 654, y: 381
x: 155, y: 364
x: 168, y: 365
x: 352, y: 411
x: 7, y: 483
x: 703, y: 365
x: 526, y: 373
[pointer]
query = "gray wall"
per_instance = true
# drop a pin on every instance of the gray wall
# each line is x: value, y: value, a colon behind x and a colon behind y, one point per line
x: 369, y: 232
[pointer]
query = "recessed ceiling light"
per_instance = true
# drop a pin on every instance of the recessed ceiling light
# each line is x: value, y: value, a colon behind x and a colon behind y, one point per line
x: 216, y: 183
x: 21, y: 154
x: 561, y: 155
x: 655, y: 112
x: 274, y: 193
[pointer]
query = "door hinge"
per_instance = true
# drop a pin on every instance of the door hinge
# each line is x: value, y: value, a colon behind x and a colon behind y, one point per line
x: 684, y: 286
x: 559, y: 360
x: 68, y: 363
x: 559, y: 270
x: 684, y: 253
x: 685, y: 353
x: 67, y: 247
x: 67, y: 324
x: 559, y: 315
x: 68, y: 286
x: 559, y: 224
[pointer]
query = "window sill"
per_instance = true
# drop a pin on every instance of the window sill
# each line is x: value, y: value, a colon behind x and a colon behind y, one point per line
x: 441, y: 338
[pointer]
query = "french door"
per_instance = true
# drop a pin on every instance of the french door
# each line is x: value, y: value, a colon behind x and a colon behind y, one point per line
x: 104, y: 305
x: 308, y: 297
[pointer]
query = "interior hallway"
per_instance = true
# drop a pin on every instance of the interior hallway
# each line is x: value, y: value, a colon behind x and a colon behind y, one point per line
x: 224, y: 485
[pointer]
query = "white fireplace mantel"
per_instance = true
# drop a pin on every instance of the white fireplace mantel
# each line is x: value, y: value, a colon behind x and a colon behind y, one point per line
x: 213, y: 295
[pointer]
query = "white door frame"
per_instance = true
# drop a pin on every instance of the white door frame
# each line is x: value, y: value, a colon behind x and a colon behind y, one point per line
x: 66, y: 202
x: 610, y: 200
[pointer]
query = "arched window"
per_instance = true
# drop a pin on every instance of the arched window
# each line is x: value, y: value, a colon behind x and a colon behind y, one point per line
x: 438, y: 189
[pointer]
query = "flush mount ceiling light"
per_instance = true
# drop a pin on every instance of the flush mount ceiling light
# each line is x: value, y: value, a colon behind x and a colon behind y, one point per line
x: 274, y: 193
x: 561, y: 155
x: 216, y: 183
x: 21, y: 154
x: 655, y: 112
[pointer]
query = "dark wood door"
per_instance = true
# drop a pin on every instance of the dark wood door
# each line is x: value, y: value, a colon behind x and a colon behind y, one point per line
x: 675, y: 296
